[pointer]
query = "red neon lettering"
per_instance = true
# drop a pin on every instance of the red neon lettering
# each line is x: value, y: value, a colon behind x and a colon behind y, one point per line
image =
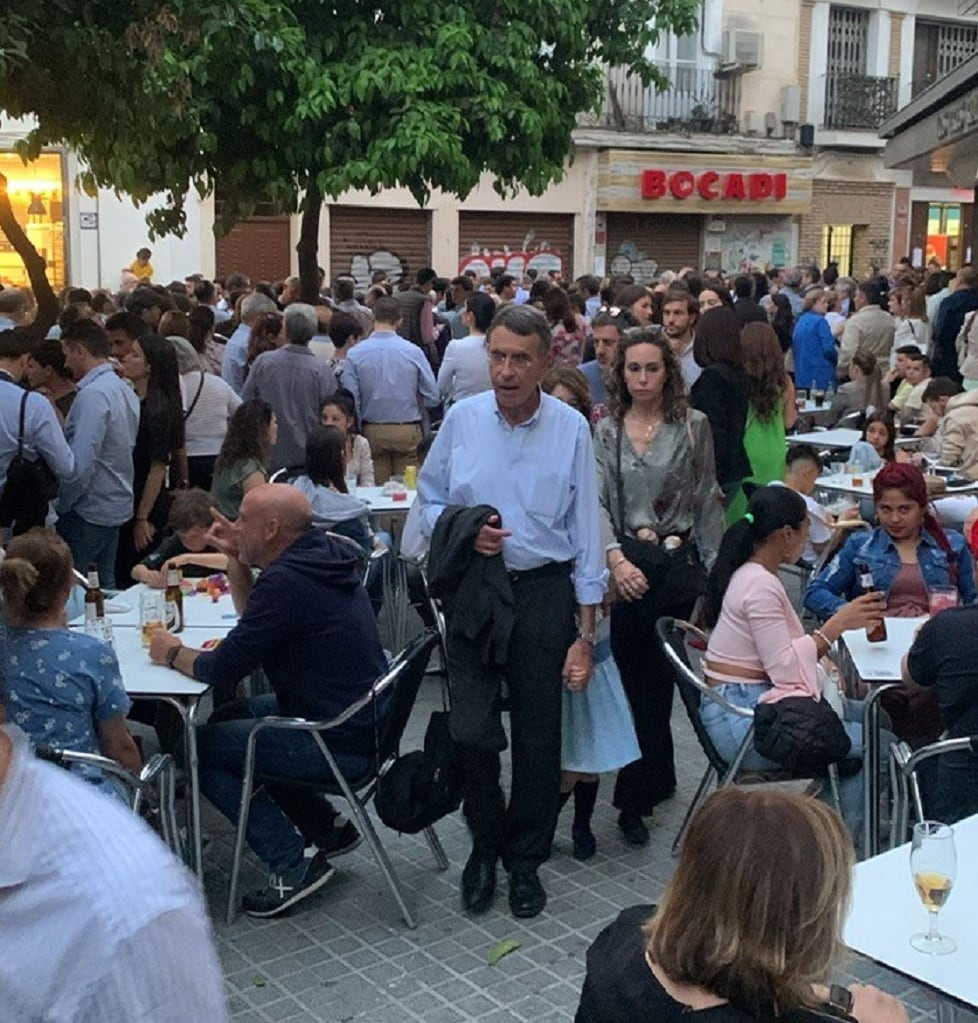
x: 706, y: 184
x: 761, y: 186
x: 734, y: 188
x: 682, y: 184
x: 653, y: 184
x: 780, y: 186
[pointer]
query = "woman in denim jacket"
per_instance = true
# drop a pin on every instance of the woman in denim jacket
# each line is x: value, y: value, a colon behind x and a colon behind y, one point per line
x: 908, y: 553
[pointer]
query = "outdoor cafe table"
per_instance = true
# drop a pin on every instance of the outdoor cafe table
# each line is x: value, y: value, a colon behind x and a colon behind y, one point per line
x: 839, y: 438
x: 886, y: 911
x: 845, y: 482
x: 880, y: 666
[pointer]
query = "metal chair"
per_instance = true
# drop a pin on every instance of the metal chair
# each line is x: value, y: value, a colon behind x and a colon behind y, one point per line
x: 905, y: 782
x: 157, y: 776
x: 396, y: 691
x: 677, y: 638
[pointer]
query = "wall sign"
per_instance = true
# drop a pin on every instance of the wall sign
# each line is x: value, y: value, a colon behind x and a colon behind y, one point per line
x: 710, y: 185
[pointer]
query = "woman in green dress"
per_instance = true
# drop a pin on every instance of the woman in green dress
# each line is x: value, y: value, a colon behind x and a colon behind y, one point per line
x: 770, y: 412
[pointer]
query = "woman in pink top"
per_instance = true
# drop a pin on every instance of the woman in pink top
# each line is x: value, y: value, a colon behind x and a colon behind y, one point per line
x: 758, y: 650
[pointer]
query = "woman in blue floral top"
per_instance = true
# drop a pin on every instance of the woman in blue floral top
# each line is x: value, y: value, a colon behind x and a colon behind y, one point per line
x: 64, y: 687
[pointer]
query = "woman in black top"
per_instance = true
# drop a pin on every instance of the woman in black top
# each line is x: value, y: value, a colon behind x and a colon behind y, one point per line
x: 722, y: 391
x: 151, y: 365
x: 747, y: 930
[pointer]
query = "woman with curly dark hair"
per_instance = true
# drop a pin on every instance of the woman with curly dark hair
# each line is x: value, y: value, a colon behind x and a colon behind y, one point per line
x: 267, y: 334
x: 657, y: 483
x: 567, y: 326
x: 240, y: 466
x: 771, y: 408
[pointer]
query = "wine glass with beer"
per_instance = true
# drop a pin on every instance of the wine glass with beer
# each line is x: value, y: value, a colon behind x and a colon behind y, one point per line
x: 933, y: 862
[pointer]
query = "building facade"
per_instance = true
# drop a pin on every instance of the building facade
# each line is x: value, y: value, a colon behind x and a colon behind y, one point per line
x: 764, y: 150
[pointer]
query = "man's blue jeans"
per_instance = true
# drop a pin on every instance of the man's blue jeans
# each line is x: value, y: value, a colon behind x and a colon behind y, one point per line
x: 92, y: 545
x: 282, y: 818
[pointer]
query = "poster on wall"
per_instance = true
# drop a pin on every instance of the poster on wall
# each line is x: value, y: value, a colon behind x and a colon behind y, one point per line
x: 752, y: 244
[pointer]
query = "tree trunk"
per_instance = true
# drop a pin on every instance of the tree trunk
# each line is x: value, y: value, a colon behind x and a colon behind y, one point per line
x: 44, y: 296
x: 308, y: 245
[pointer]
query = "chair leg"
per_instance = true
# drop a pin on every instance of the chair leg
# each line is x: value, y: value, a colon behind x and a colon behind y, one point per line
x: 247, y: 783
x: 383, y: 860
x: 833, y: 773
x: 434, y: 843
x: 701, y: 791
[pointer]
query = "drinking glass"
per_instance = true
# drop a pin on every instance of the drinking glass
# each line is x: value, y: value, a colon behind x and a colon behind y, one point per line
x: 941, y: 597
x: 152, y: 613
x: 933, y: 863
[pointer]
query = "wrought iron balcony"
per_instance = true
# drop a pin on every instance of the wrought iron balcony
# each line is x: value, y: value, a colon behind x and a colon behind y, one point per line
x: 859, y: 102
x: 695, y: 101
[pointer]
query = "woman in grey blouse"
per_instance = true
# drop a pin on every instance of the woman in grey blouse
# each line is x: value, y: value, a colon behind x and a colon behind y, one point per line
x: 658, y: 484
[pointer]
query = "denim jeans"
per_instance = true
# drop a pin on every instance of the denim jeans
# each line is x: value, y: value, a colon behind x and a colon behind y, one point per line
x: 282, y: 819
x: 92, y: 545
x: 728, y: 731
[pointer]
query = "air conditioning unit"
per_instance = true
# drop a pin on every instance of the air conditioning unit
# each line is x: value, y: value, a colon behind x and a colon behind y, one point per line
x: 791, y: 104
x: 753, y: 122
x: 742, y: 47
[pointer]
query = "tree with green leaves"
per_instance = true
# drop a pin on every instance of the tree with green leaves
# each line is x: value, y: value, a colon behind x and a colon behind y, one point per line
x: 292, y: 101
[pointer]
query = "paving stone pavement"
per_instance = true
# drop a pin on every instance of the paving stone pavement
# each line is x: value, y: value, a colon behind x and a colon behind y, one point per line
x: 346, y: 956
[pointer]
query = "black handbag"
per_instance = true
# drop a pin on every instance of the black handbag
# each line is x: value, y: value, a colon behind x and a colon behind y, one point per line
x: 801, y: 734
x: 676, y: 578
x: 29, y: 486
x: 423, y: 786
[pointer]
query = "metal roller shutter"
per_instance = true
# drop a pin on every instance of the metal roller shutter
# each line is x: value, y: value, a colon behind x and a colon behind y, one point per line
x: 363, y: 239
x: 258, y: 247
x: 642, y: 244
x: 517, y: 241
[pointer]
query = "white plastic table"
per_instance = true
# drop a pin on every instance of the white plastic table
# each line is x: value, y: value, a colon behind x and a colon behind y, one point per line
x: 384, y: 504
x: 880, y: 665
x: 199, y: 610
x: 826, y: 438
x: 886, y: 911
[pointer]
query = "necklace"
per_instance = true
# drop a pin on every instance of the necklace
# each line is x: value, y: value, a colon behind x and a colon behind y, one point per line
x: 648, y: 427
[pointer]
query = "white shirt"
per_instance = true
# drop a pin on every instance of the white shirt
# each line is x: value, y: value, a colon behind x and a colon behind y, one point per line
x: 207, y: 425
x: 98, y: 920
x: 464, y: 369
x: 691, y: 369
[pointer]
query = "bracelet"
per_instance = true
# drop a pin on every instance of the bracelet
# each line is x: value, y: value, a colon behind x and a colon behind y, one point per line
x: 818, y: 634
x: 585, y: 637
x: 618, y: 563
x: 171, y: 655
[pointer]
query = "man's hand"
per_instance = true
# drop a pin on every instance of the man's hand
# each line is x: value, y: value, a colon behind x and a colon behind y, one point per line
x: 490, y: 538
x: 143, y: 532
x: 870, y: 1005
x: 160, y: 644
x: 221, y: 535
x: 578, y: 665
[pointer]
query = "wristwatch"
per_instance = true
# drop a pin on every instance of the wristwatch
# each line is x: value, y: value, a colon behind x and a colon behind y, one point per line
x: 171, y: 654
x: 840, y: 998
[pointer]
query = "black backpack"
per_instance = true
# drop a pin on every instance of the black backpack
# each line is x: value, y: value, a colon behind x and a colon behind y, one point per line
x: 29, y: 486
x: 423, y: 786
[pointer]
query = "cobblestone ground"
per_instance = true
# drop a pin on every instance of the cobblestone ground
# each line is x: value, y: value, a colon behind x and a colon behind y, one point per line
x: 346, y: 955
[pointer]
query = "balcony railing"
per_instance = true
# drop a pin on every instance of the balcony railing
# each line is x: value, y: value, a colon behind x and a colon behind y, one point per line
x: 859, y: 102
x: 695, y: 101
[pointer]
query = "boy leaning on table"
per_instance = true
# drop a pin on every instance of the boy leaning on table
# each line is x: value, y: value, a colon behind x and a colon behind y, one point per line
x: 187, y: 546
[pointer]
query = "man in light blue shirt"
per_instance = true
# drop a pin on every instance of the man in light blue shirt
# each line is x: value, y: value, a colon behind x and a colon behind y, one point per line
x: 101, y: 429
x: 606, y: 333
x: 390, y: 380
x: 43, y: 436
x: 464, y: 370
x: 529, y: 456
x: 234, y: 365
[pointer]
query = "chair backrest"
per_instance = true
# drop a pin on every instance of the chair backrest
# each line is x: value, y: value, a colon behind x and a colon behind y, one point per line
x: 672, y: 634
x: 403, y: 681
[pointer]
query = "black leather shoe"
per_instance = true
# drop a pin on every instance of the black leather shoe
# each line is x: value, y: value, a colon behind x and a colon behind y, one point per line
x: 585, y: 844
x: 633, y: 829
x: 478, y: 883
x: 526, y: 895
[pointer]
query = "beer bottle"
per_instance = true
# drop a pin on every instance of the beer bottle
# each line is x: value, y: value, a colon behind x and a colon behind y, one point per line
x: 874, y: 633
x: 174, y: 601
x: 94, y: 597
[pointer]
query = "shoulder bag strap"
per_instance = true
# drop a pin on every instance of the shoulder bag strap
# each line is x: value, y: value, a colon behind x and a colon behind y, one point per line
x: 619, y: 481
x: 20, y: 435
x: 193, y: 404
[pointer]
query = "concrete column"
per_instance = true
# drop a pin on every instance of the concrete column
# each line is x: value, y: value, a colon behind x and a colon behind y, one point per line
x: 878, y: 50
x: 908, y: 30
x: 819, y: 63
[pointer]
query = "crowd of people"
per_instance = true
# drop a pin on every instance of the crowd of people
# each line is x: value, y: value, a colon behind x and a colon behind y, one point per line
x: 596, y: 454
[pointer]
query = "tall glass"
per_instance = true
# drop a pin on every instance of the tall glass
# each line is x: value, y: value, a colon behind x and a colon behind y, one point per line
x: 933, y: 863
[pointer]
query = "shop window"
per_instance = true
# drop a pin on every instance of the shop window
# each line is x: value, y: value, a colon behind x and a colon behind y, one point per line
x: 37, y: 198
x: 944, y: 233
x: 837, y: 247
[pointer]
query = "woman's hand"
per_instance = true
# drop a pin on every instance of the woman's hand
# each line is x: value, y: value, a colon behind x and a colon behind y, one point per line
x: 629, y: 580
x: 870, y: 1005
x: 861, y: 613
